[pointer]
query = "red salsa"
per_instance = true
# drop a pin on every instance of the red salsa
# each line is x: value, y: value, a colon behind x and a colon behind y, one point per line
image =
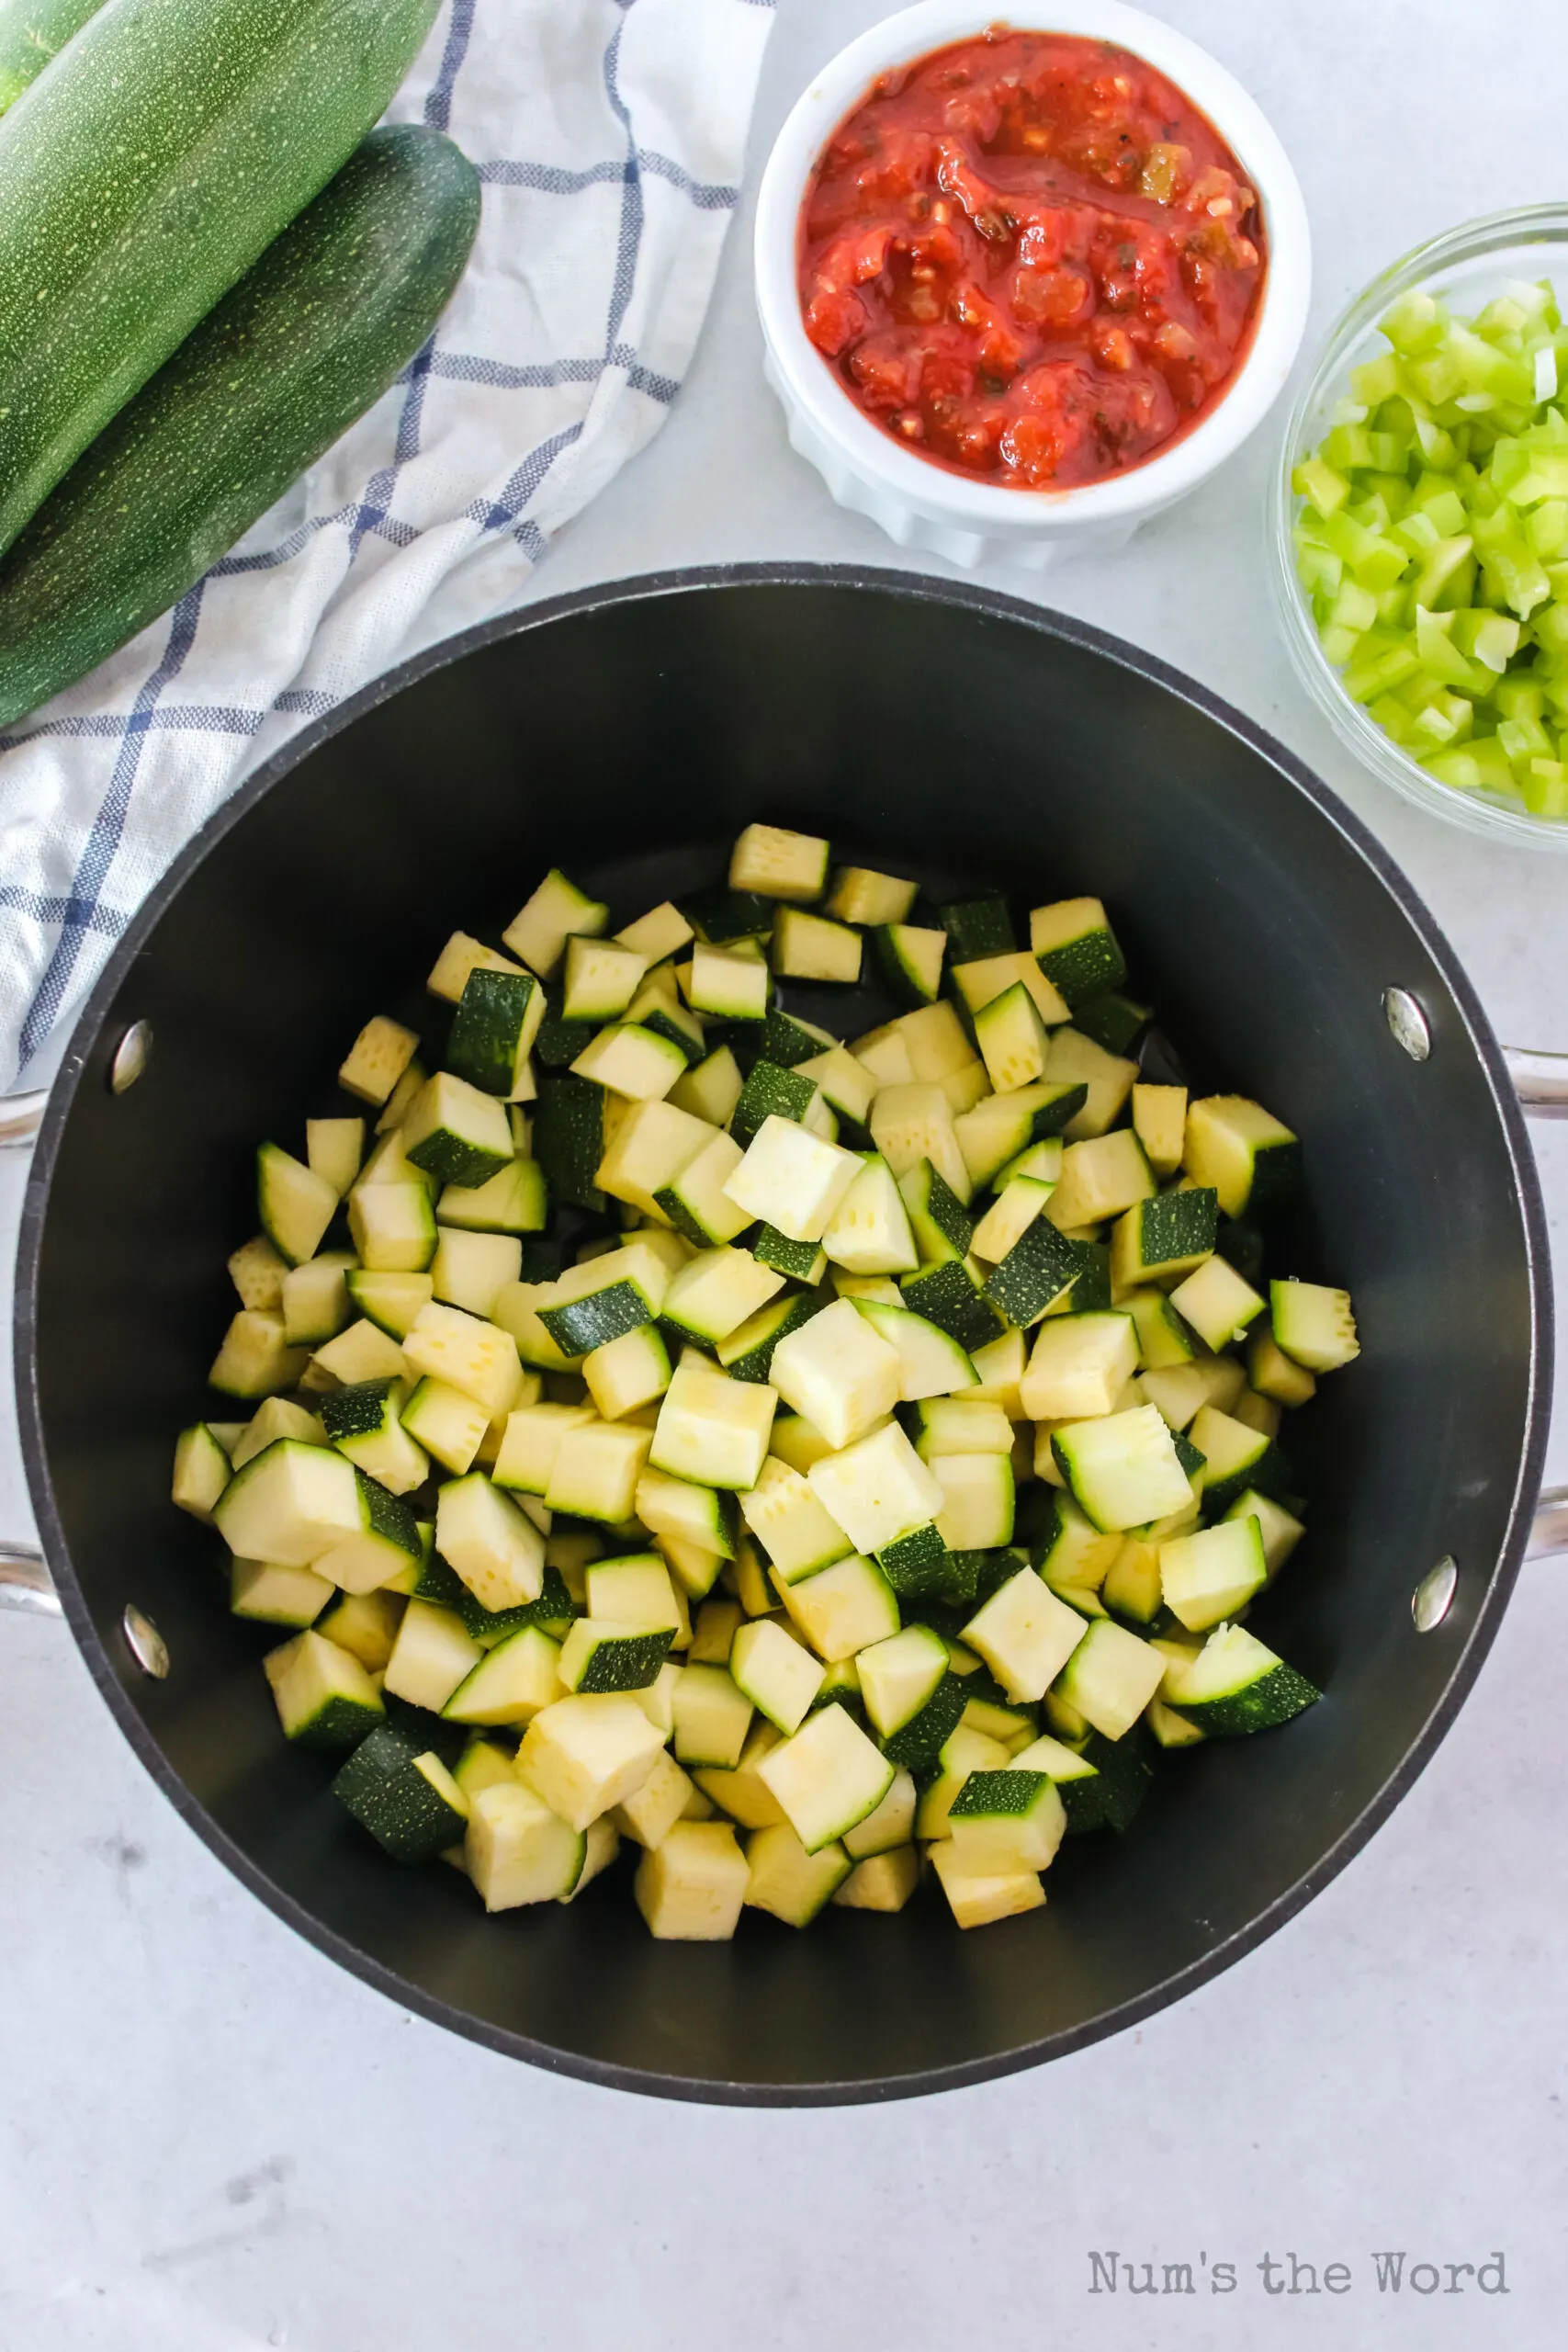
x: 1031, y: 258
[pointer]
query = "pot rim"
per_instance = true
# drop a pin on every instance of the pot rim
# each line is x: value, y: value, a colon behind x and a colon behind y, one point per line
x: 996, y: 605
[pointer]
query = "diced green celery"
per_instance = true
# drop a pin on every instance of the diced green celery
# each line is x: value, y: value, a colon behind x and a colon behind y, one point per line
x: 1436, y: 445
x: 1525, y: 740
x: 1394, y: 606
x: 1378, y: 666
x: 1438, y: 571
x: 1445, y: 717
x: 1435, y: 378
x: 1417, y: 531
x: 1441, y: 656
x: 1347, y: 447
x: 1436, y: 496
x: 1491, y: 638
x: 1377, y: 382
x: 1510, y: 563
x: 1392, y: 488
x: 1390, y: 716
x: 1483, y: 369
x: 1547, y: 529
x: 1354, y: 607
x: 1415, y: 324
x: 1318, y: 482
x: 1549, y: 628
x: 1521, y: 696
x: 1338, y: 645
x: 1510, y: 464
x: 1545, y: 477
x: 1381, y: 565
x: 1545, y: 788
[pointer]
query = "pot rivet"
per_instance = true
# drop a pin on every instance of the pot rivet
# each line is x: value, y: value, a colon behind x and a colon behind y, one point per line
x: 1408, y: 1022
x: 145, y: 1643
x: 131, y: 1056
x: 1432, y: 1597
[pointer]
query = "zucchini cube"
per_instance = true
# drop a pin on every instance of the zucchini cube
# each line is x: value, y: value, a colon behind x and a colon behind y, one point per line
x: 633, y: 1061
x: 918, y: 1564
x: 1159, y: 1122
x: 1041, y: 1267
x: 955, y: 1425
x: 1025, y: 1635
x: 495, y: 1548
x: 809, y: 947
x: 257, y: 1273
x: 940, y: 1225
x: 1251, y: 1160
x: 748, y: 1352
x: 718, y: 1291
x: 794, y: 1528
x: 409, y: 1803
x: 456, y: 1132
x: 691, y: 1889
x: 653, y: 1143
x: 634, y: 1588
x: 1281, y: 1531
x: 461, y: 955
x: 292, y: 1503
x: 1014, y: 1210
x: 556, y: 912
x: 512, y: 1683
x: 883, y: 1881
x: 876, y: 1489
x: 706, y: 1516
x: 585, y: 1754
x: 1110, y: 1678
x: 377, y: 1059
x: 471, y: 1269
x: 1122, y: 1468
x: 267, y: 1595
x: 861, y: 895
x: 531, y: 1441
x: 627, y: 1374
x: 256, y: 1359
x: 1313, y: 1325
x: 608, y: 1653
x: 1078, y: 1366
x: 361, y: 1353
x: 1209, y: 1576
x: 595, y: 1302
x: 773, y: 863
x: 1012, y: 1039
x: 870, y: 1232
x: 601, y: 977
x: 827, y: 1777
x: 890, y: 1826
x: 1100, y: 1178
x: 954, y: 1295
x: 1238, y: 1685
x: 650, y: 1813
x: 516, y: 1851
x: 1006, y: 1821
x: 1234, y: 1456
x: 295, y: 1204
x: 596, y: 1470
x: 842, y: 1609
x: 1274, y: 1374
x: 980, y: 980
x: 791, y: 1180
x: 898, y: 1675
x: 663, y: 931
x: 780, y: 1677
x: 782, y: 1878
x: 930, y: 1362
x: 361, y: 1422
x: 976, y: 1900
x: 448, y: 1425
x: 915, y: 1122
x: 910, y: 960
x: 315, y: 1299
x: 392, y: 1227
x: 1163, y: 1238
x: 694, y: 1200
x: 1107, y: 1079
x: 727, y: 983
x: 432, y: 1655
x: 323, y: 1695
x: 497, y: 1020
x: 570, y: 1134
x: 1216, y: 1303
x: 845, y: 1083
x: 711, y: 1430
x: 1076, y: 948
x: 201, y: 1471
x: 978, y: 1501
x: 998, y: 1130
x: 712, y: 1716
x: 443, y: 1343
x: 837, y: 1370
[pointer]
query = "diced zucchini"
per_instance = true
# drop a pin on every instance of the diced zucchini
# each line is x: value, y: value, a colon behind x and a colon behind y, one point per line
x: 917, y: 1563
x: 878, y: 1488
x: 977, y: 1901
x: 931, y: 1361
x: 456, y: 1132
x: 978, y: 1501
x: 257, y: 1273
x: 957, y: 1425
x: 713, y: 1429
x: 712, y: 1633
x: 1012, y: 1039
x: 494, y: 1547
x: 891, y: 1824
x: 717, y: 1292
x: 292, y: 1504
x: 663, y: 931
x: 1212, y: 1576
x: 809, y: 947
x: 978, y: 926
x: 324, y: 1697
x: 706, y: 1516
x: 392, y: 1227
x: 1234, y: 1457
x: 1007, y: 1821
x: 827, y: 1777
x: 1250, y: 1159
x: 1273, y: 1374
x: 1164, y: 1238
x: 635, y: 1064
x: 861, y: 895
x: 914, y: 1123
x: 409, y: 1803
x: 275, y: 1417
x: 791, y: 1180
x: 268, y: 1595
x: 843, y: 1081
x: 594, y: 1302
x: 256, y: 1359
x: 315, y: 1299
x: 1238, y: 1685
x: 900, y: 1676
x: 607, y: 1653
x: 691, y: 1889
x: 443, y: 1343
x: 333, y: 1149
x: 785, y: 1879
x: 839, y: 1372
x: 653, y: 1143
x: 1078, y: 1366
x: 434, y: 1653
x: 911, y: 960
x: 664, y: 1016
x: 1313, y: 1325
x: 1110, y: 1678
x: 556, y: 912
x: 794, y: 1528
x: 364, y: 1623
x: 748, y: 1352
x: 571, y: 1140
x: 532, y: 1439
x: 516, y: 1851
x: 1164, y: 1341
x: 585, y: 1754
x: 1041, y: 1268
x: 1181, y: 1392
x: 1107, y: 1078
x: 775, y: 864
x: 1100, y: 1178
x: 461, y: 955
x: 695, y: 1202
x: 400, y: 1100
x: 1069, y: 1552
x: 981, y: 980
x: 650, y: 1813
x: 884, y: 1882
x: 377, y: 1059
x: 711, y: 1091
x: 842, y: 1608
x: 1159, y: 1122
x: 712, y: 1716
x: 1025, y: 1635
x: 1123, y: 1468
x: 596, y: 1470
x: 1076, y: 948
x: 201, y: 1471
x: 363, y: 1423
x: 627, y: 1374
x: 870, y: 1233
x: 728, y: 983
x: 601, y: 977
x: 471, y: 1269
x: 497, y: 1020
x: 1216, y: 1301
x: 1014, y: 1210
x: 998, y: 1131
x: 1278, y: 1529
x: 778, y: 1676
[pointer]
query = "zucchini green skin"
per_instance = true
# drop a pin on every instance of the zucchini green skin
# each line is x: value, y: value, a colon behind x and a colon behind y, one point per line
x: 170, y: 144
x: 301, y: 348
x: 32, y: 33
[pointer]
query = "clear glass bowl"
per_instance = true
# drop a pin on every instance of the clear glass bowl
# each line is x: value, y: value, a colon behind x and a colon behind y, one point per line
x: 1467, y: 267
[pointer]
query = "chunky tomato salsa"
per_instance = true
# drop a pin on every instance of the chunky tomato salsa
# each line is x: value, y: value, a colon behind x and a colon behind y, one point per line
x: 1031, y: 258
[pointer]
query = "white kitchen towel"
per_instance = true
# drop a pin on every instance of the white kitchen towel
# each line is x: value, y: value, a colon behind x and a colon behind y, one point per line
x: 609, y: 136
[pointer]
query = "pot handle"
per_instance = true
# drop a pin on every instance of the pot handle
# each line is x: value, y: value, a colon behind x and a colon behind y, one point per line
x: 1541, y: 1080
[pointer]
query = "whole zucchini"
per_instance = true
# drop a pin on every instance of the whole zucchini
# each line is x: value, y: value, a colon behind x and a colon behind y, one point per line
x: 323, y: 323
x: 167, y: 146
x: 31, y: 32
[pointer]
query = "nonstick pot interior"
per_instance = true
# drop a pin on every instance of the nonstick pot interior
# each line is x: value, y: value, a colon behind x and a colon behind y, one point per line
x: 628, y: 737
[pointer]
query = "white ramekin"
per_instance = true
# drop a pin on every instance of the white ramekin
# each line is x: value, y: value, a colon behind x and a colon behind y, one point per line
x: 921, y: 505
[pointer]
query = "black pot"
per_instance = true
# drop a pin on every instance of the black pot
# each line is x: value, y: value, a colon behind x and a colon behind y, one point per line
x: 627, y: 734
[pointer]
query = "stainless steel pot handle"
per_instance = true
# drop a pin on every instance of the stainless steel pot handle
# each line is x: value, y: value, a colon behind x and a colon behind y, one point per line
x: 1543, y: 1083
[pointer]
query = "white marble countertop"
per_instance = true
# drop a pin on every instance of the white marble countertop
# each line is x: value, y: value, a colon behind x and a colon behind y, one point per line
x: 211, y: 2138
